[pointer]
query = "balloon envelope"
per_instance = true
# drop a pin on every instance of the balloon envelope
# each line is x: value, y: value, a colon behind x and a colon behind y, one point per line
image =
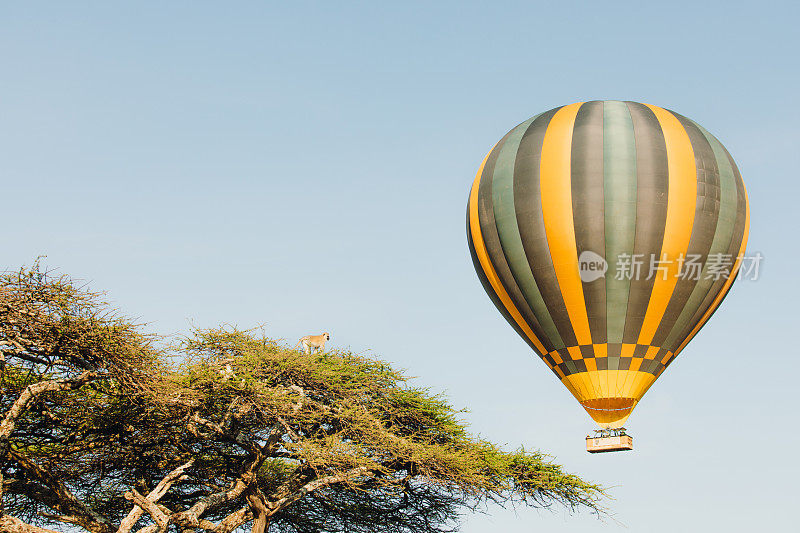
x: 607, y: 233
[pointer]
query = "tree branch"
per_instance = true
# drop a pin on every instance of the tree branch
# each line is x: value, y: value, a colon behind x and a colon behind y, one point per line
x: 67, y: 502
x: 218, y: 429
x: 161, y: 519
x: 191, y: 517
x: 154, y: 495
x: 286, y: 500
x: 11, y: 524
x: 234, y: 520
x: 33, y: 390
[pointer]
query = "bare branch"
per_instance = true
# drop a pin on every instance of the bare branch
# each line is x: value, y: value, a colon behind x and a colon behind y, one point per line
x: 218, y: 429
x: 191, y: 517
x: 67, y: 519
x: 299, y: 405
x: 160, y: 518
x: 83, y: 515
x: 311, y: 486
x: 234, y: 520
x: 31, y: 391
x: 11, y: 524
x: 154, y: 495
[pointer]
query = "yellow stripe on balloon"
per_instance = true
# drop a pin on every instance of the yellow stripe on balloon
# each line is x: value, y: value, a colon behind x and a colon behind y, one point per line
x: 681, y: 202
x: 486, y: 264
x: 576, y: 383
x: 556, y: 194
x: 641, y: 384
x: 728, y: 282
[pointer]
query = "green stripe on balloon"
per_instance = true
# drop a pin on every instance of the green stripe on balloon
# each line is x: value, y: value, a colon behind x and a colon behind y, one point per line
x: 528, y: 205
x: 705, y: 290
x: 586, y: 169
x: 735, y: 201
x: 488, y: 287
x: 494, y: 247
x: 507, y: 229
x: 619, y: 196
x: 704, y: 227
x: 652, y: 188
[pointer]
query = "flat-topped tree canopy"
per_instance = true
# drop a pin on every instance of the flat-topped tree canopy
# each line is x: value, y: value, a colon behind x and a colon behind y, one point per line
x: 111, y: 430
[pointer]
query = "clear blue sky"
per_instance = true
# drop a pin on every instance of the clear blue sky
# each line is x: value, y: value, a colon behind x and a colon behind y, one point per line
x: 307, y: 167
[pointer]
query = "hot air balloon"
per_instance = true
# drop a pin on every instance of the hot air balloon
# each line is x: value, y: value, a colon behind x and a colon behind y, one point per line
x: 607, y: 233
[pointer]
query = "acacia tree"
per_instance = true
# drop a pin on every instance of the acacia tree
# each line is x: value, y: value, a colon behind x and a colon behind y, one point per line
x: 58, y: 344
x: 100, y: 431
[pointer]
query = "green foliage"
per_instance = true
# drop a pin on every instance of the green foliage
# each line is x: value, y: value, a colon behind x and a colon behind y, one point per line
x: 330, y: 442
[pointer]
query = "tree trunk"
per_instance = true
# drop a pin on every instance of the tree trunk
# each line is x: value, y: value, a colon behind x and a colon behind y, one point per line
x: 260, y: 513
